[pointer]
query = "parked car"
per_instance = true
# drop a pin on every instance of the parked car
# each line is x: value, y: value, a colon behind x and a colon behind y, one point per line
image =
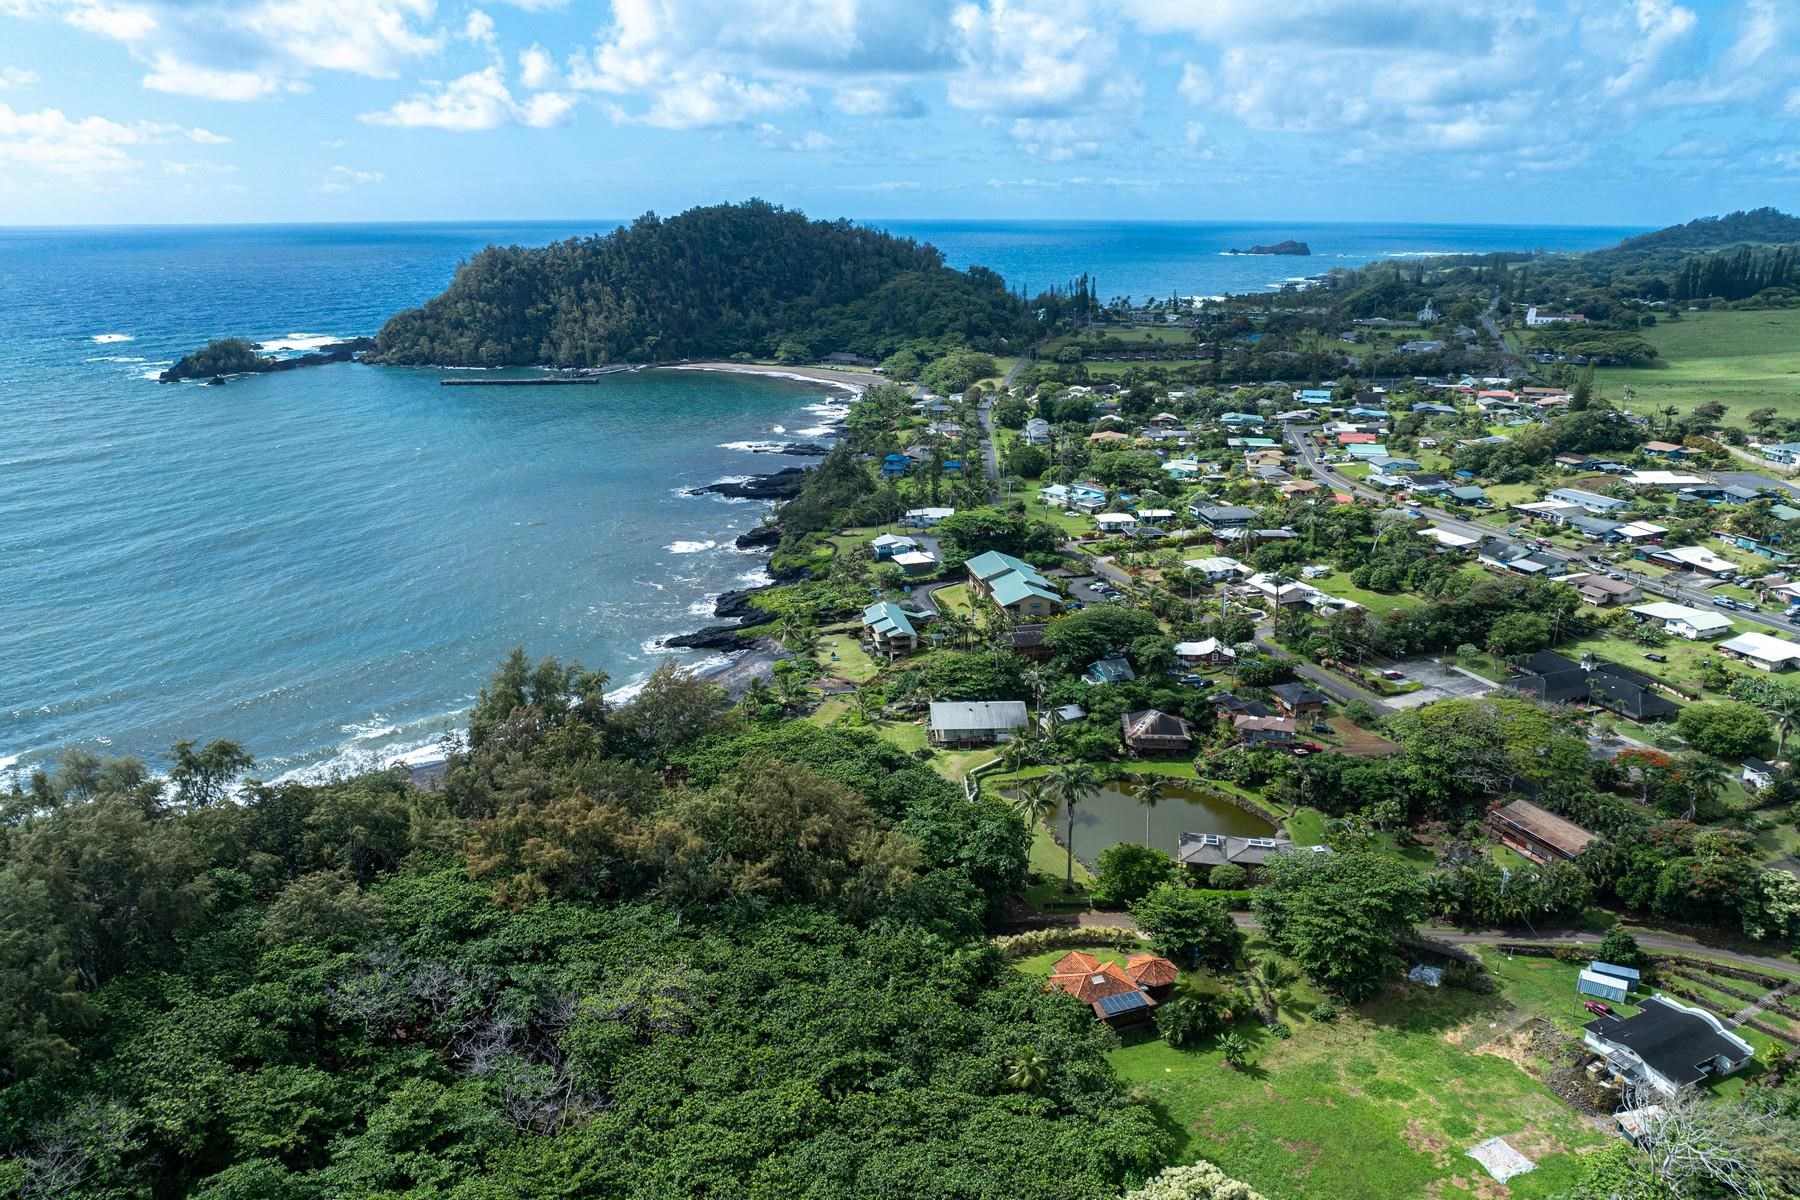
x: 1598, y: 1009
x: 1724, y: 602
x: 1307, y: 748
x: 1615, y: 574
x: 1662, y: 658
x: 1393, y: 674
x: 1321, y: 727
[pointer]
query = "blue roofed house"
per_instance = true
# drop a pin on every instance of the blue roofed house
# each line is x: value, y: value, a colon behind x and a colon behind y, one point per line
x: 1469, y: 494
x: 1112, y: 669
x: 895, y: 465
x: 1239, y: 420
x: 1391, y: 468
x: 889, y: 630
x: 1013, y: 584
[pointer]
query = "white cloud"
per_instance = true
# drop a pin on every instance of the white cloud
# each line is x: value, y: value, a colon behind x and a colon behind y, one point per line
x: 877, y: 100
x: 537, y: 70
x: 1698, y: 146
x: 13, y: 78
x: 170, y: 74
x: 710, y: 102
x: 126, y: 22
x: 251, y: 49
x: 476, y: 101
x: 342, y: 179
x: 883, y: 185
x: 810, y: 142
x: 193, y: 169
x: 478, y: 28
x: 92, y: 150
x: 206, y: 137
x: 1042, y: 59
x: 1057, y: 139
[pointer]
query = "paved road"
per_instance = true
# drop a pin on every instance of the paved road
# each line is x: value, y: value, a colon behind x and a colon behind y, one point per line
x: 1650, y: 940
x: 1516, y: 366
x: 990, y: 455
x: 1335, y: 686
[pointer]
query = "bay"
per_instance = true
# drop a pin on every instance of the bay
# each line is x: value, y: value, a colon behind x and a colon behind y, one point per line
x: 325, y: 564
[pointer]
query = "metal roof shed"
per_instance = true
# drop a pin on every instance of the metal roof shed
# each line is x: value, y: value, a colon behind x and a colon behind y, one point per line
x: 1607, y: 987
x: 1629, y: 974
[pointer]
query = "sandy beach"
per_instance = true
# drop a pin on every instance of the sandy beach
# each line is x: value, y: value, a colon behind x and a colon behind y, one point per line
x: 832, y: 375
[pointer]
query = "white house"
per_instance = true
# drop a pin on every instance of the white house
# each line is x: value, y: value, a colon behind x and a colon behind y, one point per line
x: 976, y: 722
x: 925, y: 518
x: 1664, y: 479
x: 1696, y: 558
x: 1115, y: 522
x: 1695, y: 624
x: 1217, y: 569
x: 1785, y: 453
x: 1535, y: 317
x: 1210, y: 652
x: 1762, y: 651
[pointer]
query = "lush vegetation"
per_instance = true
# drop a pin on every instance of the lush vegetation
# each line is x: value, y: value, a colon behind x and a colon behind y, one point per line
x: 228, y: 356
x: 746, y: 278
x: 657, y: 950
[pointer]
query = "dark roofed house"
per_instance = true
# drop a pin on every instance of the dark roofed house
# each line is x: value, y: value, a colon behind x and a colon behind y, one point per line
x: 1293, y: 699
x: 1154, y: 732
x: 1668, y: 1046
x: 1204, y: 851
x: 1536, y: 833
x: 1550, y: 677
x: 1027, y: 641
x: 1259, y: 731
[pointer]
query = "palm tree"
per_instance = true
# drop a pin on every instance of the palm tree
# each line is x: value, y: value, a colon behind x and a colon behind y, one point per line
x: 1028, y: 1072
x: 1704, y: 775
x: 795, y: 632
x: 1152, y: 790
x: 1784, y: 710
x: 1034, y: 802
x: 1071, y: 783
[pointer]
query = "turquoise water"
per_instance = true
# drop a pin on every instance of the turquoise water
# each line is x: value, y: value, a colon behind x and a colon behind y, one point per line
x: 325, y: 564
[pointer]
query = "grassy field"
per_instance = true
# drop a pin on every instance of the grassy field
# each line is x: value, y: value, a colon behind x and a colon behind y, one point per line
x: 1381, y: 1103
x: 842, y: 655
x: 1339, y: 585
x: 1744, y: 360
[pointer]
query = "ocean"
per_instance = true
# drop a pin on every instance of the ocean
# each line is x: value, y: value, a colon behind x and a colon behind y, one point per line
x: 325, y: 564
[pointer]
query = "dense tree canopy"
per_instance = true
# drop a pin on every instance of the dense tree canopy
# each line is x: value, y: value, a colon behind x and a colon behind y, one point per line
x: 714, y: 281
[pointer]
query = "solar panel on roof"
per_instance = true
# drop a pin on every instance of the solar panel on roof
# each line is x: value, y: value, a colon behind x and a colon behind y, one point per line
x: 1124, y: 1002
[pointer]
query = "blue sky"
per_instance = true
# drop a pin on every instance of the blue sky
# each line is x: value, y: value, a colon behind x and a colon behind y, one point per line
x: 1514, y: 111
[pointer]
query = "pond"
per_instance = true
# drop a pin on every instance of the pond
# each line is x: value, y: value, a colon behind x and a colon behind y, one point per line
x: 1113, y: 815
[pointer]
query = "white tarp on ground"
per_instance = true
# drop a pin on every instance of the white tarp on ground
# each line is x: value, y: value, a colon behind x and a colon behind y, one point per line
x: 1500, y: 1159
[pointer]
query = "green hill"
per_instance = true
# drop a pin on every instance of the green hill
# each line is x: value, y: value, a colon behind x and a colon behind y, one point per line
x: 715, y: 281
x: 1756, y: 227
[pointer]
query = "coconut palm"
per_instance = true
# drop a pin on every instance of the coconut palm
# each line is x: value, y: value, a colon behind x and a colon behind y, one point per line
x: 1152, y: 790
x: 1028, y: 1071
x: 1704, y: 776
x: 796, y: 632
x: 1034, y: 802
x: 1784, y: 710
x: 1072, y: 783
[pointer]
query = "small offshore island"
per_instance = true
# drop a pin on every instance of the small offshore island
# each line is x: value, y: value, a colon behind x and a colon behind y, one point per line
x: 1289, y: 246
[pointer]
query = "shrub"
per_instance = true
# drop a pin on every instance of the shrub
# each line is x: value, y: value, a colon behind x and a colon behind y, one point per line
x: 1280, y: 1029
x: 1227, y: 877
x: 1324, y: 1011
x: 1036, y: 941
x: 1235, y: 1050
x: 1620, y: 948
x: 1125, y: 873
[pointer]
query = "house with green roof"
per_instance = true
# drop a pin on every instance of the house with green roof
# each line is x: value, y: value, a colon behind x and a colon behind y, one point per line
x: 889, y: 630
x: 1013, y: 584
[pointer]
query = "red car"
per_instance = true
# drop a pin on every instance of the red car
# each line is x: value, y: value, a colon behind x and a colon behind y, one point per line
x: 1598, y: 1009
x: 1393, y: 674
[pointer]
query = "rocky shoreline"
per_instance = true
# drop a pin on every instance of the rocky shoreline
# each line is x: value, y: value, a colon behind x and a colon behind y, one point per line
x: 778, y: 485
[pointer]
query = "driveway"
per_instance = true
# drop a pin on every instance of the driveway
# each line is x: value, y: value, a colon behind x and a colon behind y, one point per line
x: 1442, y: 681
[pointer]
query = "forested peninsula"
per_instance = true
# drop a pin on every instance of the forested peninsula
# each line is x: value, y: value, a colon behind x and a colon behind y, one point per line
x: 751, y: 279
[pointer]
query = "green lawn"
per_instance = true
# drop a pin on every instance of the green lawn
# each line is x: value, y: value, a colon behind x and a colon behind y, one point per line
x: 1744, y: 360
x: 1339, y: 585
x: 1382, y: 1103
x: 1038, y: 510
x: 1306, y: 826
x: 1502, y: 494
x: 1683, y: 667
x: 842, y: 654
x: 954, y: 598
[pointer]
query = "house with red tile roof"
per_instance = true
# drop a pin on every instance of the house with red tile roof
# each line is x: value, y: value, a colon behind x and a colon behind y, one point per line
x: 1119, y: 996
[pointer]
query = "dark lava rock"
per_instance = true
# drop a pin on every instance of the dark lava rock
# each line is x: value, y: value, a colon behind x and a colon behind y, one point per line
x: 761, y: 536
x: 714, y: 637
x: 1288, y: 247
x: 782, y: 485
